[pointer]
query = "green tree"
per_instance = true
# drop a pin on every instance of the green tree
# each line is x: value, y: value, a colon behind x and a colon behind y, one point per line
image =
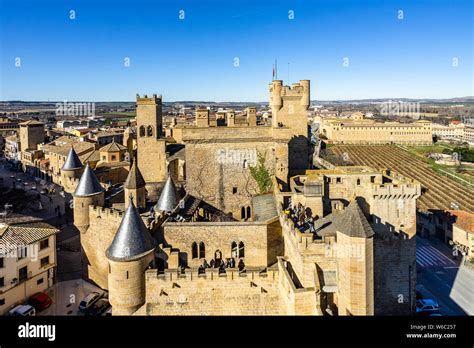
x: 262, y: 175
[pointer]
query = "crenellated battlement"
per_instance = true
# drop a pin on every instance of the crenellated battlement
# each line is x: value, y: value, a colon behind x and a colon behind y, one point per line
x: 210, y: 274
x: 397, y: 190
x: 154, y: 99
x: 279, y: 92
x: 95, y: 211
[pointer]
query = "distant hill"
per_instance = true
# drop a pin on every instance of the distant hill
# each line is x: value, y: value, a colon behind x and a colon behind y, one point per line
x: 457, y: 100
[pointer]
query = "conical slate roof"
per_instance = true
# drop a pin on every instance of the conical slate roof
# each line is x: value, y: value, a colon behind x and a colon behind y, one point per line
x: 353, y: 222
x: 132, y: 239
x: 88, y: 184
x: 169, y: 197
x: 350, y: 221
x: 72, y: 161
x: 134, y: 179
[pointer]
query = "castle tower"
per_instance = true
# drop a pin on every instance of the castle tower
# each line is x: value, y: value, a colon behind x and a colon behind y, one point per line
x: 31, y: 134
x: 289, y: 118
x: 134, y: 188
x: 290, y: 105
x: 252, y: 116
x: 355, y: 260
x: 71, y: 170
x: 151, y: 147
x: 202, y: 117
x: 129, y: 141
x: 129, y: 255
x: 88, y: 193
x: 169, y: 197
x: 230, y: 118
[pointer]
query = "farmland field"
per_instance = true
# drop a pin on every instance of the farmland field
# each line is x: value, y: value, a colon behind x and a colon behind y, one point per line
x: 439, y: 191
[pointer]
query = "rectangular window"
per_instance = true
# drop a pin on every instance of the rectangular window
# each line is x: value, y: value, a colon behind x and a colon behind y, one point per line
x: 114, y: 157
x: 338, y: 180
x: 22, y: 253
x: 44, y: 243
x: 23, y: 274
x: 2, y: 301
x: 2, y: 282
x: 40, y: 281
x: 372, y: 179
x: 1, y: 262
x: 45, y: 261
x: 234, y: 190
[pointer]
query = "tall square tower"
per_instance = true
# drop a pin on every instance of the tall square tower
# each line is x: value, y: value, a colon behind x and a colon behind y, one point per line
x: 151, y: 146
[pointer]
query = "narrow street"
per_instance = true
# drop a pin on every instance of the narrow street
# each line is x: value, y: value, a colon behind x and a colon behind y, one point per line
x: 440, y: 276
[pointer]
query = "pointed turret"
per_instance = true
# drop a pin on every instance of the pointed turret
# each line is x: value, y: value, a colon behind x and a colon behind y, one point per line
x: 134, y: 179
x: 88, y: 193
x: 169, y: 198
x: 71, y: 171
x: 132, y: 240
x: 88, y: 184
x: 134, y: 187
x: 130, y: 255
x: 72, y: 161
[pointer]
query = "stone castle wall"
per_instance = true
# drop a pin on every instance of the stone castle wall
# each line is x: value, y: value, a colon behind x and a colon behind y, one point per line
x: 262, y: 241
x: 250, y: 293
x: 395, y: 275
x: 104, y: 223
x: 219, y: 172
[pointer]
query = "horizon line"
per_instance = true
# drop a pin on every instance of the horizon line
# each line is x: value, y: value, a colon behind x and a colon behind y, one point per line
x: 217, y: 102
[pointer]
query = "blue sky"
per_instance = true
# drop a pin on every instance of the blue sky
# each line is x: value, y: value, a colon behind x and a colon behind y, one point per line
x: 193, y: 58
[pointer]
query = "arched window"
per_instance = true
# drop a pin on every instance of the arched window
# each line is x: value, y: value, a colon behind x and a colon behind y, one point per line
x: 149, y: 131
x: 194, y: 251
x: 142, y: 131
x: 242, y: 213
x: 248, y: 212
x: 241, y: 249
x: 233, y: 249
x: 202, y: 250
x: 246, y: 164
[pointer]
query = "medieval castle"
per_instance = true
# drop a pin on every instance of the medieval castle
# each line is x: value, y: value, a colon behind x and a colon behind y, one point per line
x: 242, y: 225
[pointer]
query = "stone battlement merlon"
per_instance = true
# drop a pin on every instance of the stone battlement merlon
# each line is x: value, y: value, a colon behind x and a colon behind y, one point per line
x: 397, y: 190
x: 106, y: 212
x: 154, y: 99
x: 210, y: 274
x: 279, y: 92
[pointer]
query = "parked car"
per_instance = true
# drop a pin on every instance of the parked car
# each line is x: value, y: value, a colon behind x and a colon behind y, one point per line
x: 40, y: 301
x: 98, y: 307
x: 426, y: 305
x: 22, y: 311
x: 89, y: 300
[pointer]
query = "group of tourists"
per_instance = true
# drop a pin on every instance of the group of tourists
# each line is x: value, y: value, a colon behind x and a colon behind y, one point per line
x: 221, y: 264
x: 301, y: 217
